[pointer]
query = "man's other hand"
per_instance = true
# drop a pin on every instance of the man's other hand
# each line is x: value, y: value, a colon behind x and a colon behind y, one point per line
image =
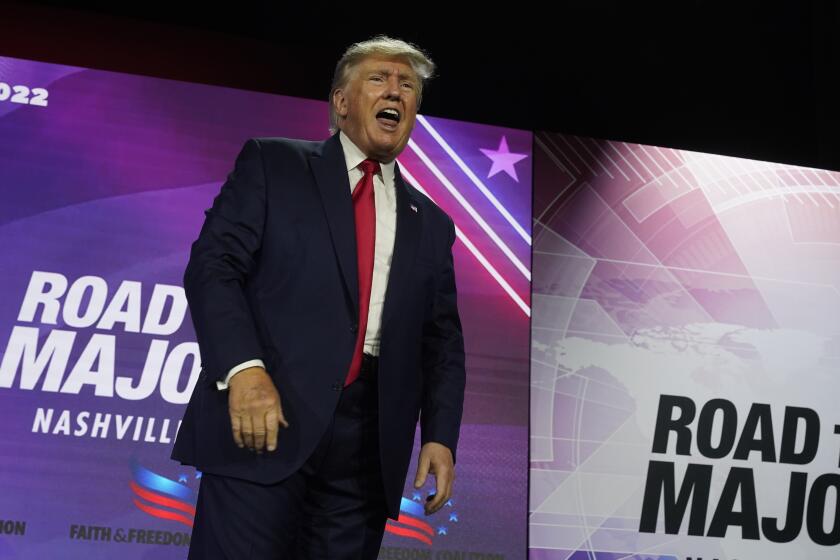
x: 255, y: 411
x: 435, y: 458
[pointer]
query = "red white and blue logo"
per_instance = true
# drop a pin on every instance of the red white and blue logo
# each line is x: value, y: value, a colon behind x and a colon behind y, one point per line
x: 411, y: 524
x: 164, y: 498
x: 161, y: 497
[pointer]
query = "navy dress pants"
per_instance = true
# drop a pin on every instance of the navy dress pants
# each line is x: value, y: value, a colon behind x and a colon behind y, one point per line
x: 332, y: 508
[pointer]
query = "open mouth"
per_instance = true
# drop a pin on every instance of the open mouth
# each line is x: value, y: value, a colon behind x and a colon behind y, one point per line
x: 389, y: 118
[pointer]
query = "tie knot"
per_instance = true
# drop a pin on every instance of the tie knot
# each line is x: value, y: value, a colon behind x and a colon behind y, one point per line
x: 369, y: 166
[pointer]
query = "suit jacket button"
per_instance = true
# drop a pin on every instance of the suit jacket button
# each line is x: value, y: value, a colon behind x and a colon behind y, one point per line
x: 336, y: 386
x: 354, y: 328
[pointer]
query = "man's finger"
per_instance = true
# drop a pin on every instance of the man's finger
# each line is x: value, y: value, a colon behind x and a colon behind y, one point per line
x: 258, y: 422
x: 433, y: 505
x: 441, y: 494
x: 281, y: 417
x: 422, y: 471
x: 271, y: 429
x: 236, y: 426
x: 442, y: 484
x: 247, y: 432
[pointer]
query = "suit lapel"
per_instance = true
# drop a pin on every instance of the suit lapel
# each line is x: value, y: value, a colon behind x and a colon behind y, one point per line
x: 406, y: 241
x: 330, y: 172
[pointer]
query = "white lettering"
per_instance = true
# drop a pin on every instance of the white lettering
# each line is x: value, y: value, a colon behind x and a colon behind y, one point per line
x: 44, y: 288
x: 22, y: 351
x: 63, y: 424
x: 160, y: 295
x: 101, y: 422
x: 172, y: 373
x: 100, y: 349
x: 124, y: 308
x: 150, y: 376
x: 81, y: 422
x: 72, y: 311
x: 42, y: 421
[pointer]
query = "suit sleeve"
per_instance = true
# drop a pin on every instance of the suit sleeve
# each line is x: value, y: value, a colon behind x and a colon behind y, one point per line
x: 221, y: 259
x: 443, y: 360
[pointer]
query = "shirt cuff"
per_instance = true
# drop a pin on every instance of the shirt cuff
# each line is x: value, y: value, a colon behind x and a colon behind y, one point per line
x: 222, y: 385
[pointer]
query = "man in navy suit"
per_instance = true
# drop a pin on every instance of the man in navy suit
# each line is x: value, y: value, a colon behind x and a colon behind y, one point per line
x: 322, y: 292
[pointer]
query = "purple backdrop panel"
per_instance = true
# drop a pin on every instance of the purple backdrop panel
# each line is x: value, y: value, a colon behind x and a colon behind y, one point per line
x: 694, y: 297
x: 104, y: 178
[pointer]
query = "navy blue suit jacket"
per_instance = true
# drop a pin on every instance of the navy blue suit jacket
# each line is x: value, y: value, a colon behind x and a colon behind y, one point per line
x: 273, y: 275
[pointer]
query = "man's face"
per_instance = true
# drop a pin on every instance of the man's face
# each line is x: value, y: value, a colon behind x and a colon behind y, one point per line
x: 377, y: 107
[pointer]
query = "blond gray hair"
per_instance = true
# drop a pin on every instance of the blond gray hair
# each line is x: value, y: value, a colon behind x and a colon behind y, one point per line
x: 384, y: 46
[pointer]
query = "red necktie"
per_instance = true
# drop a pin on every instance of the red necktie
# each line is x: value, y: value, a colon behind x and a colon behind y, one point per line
x: 365, y: 215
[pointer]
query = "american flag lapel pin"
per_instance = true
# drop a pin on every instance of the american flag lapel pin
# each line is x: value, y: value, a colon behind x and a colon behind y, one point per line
x: 413, y: 207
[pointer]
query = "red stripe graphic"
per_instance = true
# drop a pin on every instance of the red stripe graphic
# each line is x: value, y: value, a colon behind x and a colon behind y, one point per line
x: 163, y: 514
x: 422, y: 525
x: 404, y: 532
x: 161, y: 500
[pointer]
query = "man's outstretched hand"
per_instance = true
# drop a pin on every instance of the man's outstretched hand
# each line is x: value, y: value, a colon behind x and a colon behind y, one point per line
x: 436, y: 458
x: 255, y: 411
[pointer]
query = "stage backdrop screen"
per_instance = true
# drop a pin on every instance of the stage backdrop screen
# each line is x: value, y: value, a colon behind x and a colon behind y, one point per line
x: 104, y: 180
x: 685, y: 352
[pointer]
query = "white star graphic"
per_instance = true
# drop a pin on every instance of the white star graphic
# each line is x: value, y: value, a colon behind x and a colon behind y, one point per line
x: 503, y: 160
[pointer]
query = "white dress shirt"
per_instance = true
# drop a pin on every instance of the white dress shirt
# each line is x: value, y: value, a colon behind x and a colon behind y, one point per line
x: 385, y: 200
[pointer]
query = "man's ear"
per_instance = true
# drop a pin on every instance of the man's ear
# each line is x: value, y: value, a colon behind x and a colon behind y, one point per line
x: 339, y: 102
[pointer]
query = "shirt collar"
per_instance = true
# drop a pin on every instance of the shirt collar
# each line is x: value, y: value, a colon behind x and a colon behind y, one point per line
x: 353, y: 156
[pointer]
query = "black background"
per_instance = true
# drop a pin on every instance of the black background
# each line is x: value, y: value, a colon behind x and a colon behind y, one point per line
x: 750, y: 79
